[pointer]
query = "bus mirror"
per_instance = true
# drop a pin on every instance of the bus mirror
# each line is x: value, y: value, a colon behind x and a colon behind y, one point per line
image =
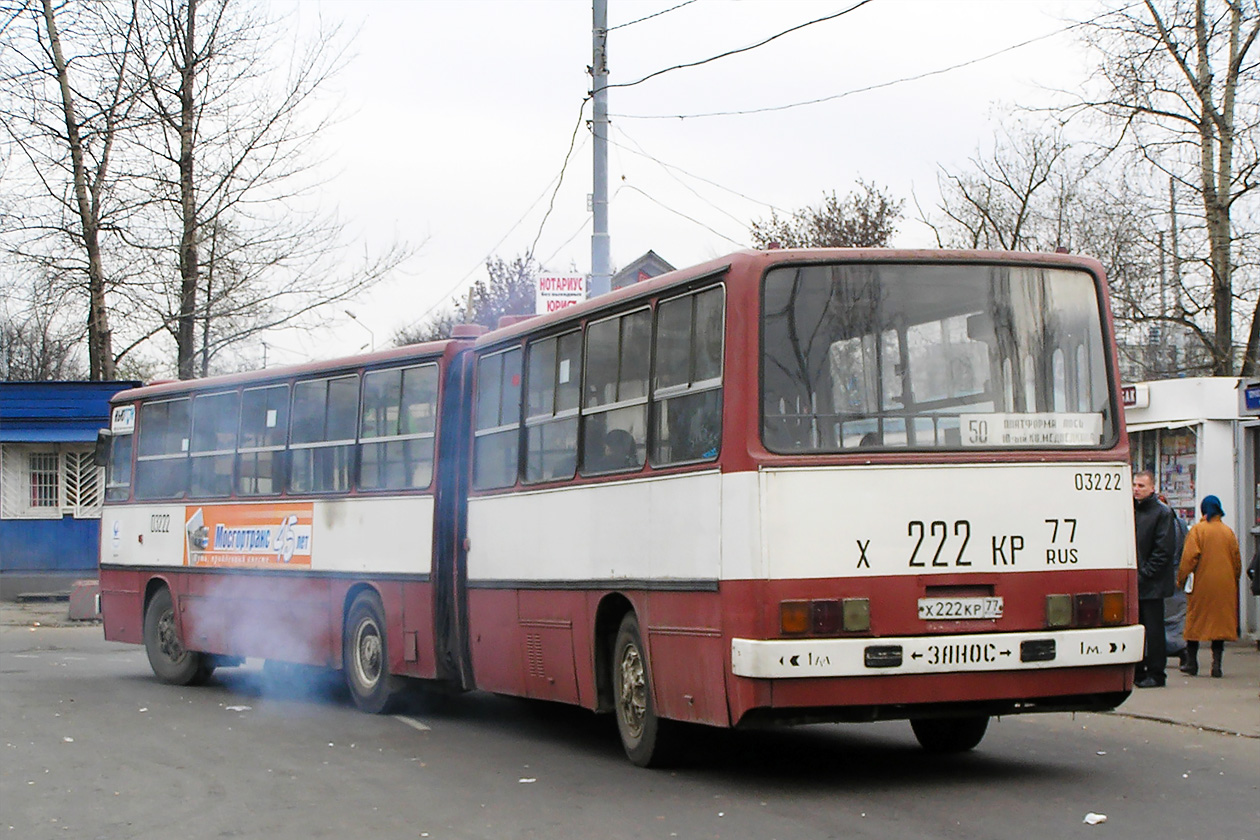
x: 100, y: 454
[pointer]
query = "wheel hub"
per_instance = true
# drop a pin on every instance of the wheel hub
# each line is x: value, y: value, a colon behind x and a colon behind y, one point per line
x: 369, y: 654
x: 632, y: 702
x: 168, y: 638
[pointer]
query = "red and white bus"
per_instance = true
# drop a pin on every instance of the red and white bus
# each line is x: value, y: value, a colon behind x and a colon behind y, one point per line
x: 783, y: 486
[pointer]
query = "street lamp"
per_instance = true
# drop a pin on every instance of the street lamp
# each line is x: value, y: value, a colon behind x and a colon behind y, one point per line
x: 371, y: 335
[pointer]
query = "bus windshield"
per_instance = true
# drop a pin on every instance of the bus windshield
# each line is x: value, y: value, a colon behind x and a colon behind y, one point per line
x: 932, y: 356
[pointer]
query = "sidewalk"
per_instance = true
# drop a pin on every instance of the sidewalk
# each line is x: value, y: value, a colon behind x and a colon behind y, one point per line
x: 50, y: 612
x: 1230, y: 705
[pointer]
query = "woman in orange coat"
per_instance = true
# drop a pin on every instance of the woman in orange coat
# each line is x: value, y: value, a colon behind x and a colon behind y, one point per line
x: 1211, y: 555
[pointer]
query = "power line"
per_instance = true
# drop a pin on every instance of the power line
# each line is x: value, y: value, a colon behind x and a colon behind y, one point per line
x: 728, y: 53
x: 558, y: 177
x: 649, y: 17
x: 855, y: 91
x: 664, y: 206
x: 688, y: 188
x: 581, y: 227
x: 669, y: 166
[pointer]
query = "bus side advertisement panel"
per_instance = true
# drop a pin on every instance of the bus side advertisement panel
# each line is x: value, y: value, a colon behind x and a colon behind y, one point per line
x: 249, y: 536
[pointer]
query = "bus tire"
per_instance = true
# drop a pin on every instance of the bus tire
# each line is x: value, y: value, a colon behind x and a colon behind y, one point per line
x: 170, y: 660
x: 949, y: 735
x: 365, y: 656
x: 646, y: 738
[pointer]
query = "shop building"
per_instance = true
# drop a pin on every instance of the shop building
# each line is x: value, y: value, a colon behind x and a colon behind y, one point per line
x: 50, y: 489
x: 1201, y: 436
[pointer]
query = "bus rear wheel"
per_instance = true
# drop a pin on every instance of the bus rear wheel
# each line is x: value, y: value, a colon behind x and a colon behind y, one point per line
x: 170, y: 660
x: 365, y: 656
x: 646, y: 738
x: 950, y: 735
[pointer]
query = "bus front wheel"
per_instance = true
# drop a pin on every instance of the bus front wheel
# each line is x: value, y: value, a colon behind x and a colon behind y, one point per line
x: 646, y: 737
x: 949, y: 735
x: 170, y: 660
x: 365, y: 656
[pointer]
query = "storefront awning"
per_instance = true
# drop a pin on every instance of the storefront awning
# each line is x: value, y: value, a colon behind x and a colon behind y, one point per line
x: 66, y: 434
x: 1163, y: 424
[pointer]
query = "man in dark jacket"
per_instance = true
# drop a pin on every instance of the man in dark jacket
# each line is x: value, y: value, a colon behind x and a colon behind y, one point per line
x: 1156, y: 537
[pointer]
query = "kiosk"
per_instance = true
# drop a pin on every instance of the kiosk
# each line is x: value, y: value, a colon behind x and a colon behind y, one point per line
x: 1201, y: 435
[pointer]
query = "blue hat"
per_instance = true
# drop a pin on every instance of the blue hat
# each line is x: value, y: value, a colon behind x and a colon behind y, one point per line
x: 1211, y: 506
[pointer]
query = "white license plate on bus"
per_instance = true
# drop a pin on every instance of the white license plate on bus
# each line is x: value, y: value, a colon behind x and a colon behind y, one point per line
x: 959, y: 609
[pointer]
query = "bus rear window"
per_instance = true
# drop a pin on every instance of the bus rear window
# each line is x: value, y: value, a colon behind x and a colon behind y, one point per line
x: 931, y: 356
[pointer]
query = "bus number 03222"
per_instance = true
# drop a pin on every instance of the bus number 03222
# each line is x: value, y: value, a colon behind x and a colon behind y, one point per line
x: 1105, y: 481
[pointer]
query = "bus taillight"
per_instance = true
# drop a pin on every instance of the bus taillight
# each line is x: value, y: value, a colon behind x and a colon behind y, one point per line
x: 1088, y: 609
x: 825, y: 618
x: 794, y: 617
x: 857, y: 615
x: 1113, y: 608
x: 1085, y: 609
x: 1058, y: 610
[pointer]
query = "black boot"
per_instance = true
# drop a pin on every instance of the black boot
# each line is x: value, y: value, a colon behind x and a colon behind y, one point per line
x: 1217, y: 655
x: 1191, y: 664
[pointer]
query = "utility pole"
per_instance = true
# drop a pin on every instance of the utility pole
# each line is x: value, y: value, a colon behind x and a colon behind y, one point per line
x: 601, y: 263
x: 1179, y: 337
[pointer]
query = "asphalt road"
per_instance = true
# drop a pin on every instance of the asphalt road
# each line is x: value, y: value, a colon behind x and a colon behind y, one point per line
x: 92, y: 746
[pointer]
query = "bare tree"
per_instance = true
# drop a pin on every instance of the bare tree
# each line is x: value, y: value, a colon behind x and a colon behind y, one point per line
x: 36, y: 342
x: 865, y: 218
x: 508, y: 289
x: 229, y: 162
x: 1037, y: 191
x: 1017, y: 197
x: 1181, y: 88
x: 175, y: 134
x: 64, y: 121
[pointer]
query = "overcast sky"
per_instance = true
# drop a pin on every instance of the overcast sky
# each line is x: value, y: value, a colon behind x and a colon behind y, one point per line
x: 458, y: 115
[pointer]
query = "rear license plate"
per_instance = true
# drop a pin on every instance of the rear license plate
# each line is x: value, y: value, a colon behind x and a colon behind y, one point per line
x: 959, y: 609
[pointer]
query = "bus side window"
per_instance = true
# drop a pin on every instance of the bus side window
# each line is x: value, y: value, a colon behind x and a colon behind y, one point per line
x: 162, y: 450
x: 687, y: 384
x: 398, y: 423
x: 322, y: 434
x: 618, y: 350
x: 215, y: 418
x: 496, y: 442
x: 260, y: 450
x: 553, y: 385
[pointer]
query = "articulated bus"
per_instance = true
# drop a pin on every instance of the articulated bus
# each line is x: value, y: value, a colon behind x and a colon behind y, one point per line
x: 780, y: 487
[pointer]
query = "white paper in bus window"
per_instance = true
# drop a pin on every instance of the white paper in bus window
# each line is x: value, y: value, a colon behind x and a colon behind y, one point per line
x: 564, y: 371
x: 271, y: 418
x: 1043, y: 429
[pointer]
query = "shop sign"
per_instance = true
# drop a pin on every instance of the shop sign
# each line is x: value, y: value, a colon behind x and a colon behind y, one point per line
x: 1136, y: 396
x: 1251, y: 397
x: 555, y: 292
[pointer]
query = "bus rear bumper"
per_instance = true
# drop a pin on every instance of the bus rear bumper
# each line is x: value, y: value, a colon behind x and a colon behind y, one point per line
x: 941, y: 654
